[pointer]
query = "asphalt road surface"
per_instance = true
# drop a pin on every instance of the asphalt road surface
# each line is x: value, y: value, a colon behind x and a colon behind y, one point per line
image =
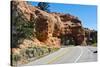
x: 71, y: 54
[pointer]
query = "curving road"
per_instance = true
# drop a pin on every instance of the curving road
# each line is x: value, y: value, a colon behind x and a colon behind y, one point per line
x: 71, y: 54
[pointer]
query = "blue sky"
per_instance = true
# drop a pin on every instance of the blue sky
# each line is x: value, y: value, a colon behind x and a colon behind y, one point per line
x: 86, y: 13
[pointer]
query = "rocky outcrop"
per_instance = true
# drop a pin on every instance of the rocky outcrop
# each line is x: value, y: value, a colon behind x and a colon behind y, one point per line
x: 90, y: 36
x: 45, y: 24
x: 50, y: 25
x: 72, y: 27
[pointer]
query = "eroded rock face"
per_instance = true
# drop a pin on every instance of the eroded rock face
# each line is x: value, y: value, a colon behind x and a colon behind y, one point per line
x: 44, y: 22
x: 72, y: 27
x: 44, y: 25
x: 49, y: 27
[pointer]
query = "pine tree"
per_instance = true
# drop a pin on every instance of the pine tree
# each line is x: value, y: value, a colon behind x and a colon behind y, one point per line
x: 44, y: 6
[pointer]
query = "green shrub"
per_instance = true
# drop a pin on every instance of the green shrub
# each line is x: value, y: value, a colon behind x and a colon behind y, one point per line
x: 15, y: 58
x: 31, y: 52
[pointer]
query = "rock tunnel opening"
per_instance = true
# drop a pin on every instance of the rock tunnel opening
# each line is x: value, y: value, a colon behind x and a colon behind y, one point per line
x: 67, y: 40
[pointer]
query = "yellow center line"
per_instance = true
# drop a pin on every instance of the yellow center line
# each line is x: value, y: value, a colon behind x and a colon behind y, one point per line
x: 58, y: 57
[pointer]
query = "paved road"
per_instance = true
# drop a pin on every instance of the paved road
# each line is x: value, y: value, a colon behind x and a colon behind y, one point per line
x: 72, y: 54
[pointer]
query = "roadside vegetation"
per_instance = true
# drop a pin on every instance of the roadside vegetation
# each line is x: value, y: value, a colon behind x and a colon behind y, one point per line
x: 31, y: 53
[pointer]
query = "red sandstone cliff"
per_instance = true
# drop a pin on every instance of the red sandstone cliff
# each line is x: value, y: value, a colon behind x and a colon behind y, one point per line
x: 48, y: 26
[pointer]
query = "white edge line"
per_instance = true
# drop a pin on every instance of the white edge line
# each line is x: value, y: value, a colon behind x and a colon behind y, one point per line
x: 79, y: 56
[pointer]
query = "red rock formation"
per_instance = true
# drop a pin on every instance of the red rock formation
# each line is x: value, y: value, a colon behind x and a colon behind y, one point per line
x: 50, y: 26
x: 45, y: 22
x: 72, y: 26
